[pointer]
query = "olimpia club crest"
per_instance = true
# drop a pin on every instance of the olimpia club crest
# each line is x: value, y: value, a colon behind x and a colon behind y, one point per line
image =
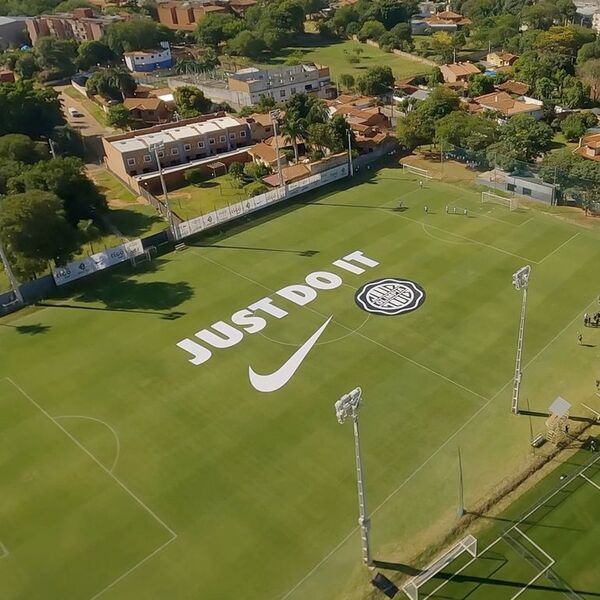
x: 390, y: 296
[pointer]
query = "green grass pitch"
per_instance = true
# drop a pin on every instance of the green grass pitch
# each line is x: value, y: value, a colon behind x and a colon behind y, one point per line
x: 128, y: 472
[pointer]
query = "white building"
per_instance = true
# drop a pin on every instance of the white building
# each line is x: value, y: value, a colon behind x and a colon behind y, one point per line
x: 149, y: 60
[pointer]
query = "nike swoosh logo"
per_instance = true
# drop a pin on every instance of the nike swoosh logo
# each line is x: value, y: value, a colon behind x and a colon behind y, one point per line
x: 276, y: 380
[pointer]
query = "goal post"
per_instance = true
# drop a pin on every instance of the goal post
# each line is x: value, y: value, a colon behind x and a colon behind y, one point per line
x: 426, y: 174
x: 468, y: 544
x: 491, y: 198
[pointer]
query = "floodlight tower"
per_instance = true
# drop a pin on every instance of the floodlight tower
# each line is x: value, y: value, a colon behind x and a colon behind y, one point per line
x: 347, y: 406
x: 156, y: 148
x: 520, y: 281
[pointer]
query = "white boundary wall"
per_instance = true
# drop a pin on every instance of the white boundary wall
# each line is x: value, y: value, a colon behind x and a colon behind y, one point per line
x: 97, y: 262
x: 245, y: 207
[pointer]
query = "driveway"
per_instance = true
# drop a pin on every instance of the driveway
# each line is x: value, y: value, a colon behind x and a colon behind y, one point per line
x: 90, y: 130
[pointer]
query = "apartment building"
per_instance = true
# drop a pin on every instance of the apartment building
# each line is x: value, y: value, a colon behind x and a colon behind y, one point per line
x: 131, y: 154
x: 280, y: 83
x: 81, y: 25
x: 185, y: 16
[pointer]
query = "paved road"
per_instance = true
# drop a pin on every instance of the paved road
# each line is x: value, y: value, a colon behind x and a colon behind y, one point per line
x: 91, y: 131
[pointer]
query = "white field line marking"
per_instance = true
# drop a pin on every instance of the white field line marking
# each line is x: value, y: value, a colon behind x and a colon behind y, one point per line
x: 472, y: 241
x: 525, y: 222
x: 544, y: 570
x: 416, y: 471
x: 3, y: 551
x: 557, y: 249
x: 446, y: 581
x: 114, y: 433
x: 414, y: 362
x: 589, y: 481
x: 439, y: 239
x: 129, y: 571
x: 337, y: 339
x: 84, y: 449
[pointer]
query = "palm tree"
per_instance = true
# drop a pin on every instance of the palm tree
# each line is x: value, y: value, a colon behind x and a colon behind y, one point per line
x: 121, y: 79
x: 293, y: 127
x: 318, y: 111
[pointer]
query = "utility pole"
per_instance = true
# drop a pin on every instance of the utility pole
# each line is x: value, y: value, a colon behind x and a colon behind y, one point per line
x: 155, y: 148
x: 520, y: 282
x: 350, y: 164
x: 347, y: 406
x: 52, y: 150
x: 11, y: 276
x: 274, y: 116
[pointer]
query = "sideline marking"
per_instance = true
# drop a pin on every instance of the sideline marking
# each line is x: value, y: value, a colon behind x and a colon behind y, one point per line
x: 557, y: 249
x: 114, y: 433
x: 114, y: 478
x: 3, y: 551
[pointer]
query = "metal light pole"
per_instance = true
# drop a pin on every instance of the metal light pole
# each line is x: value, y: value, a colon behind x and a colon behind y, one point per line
x: 274, y: 114
x: 155, y: 148
x: 351, y: 166
x: 347, y: 406
x: 11, y: 276
x: 520, y: 281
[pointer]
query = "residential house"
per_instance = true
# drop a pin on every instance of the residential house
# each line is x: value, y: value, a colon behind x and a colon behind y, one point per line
x: 446, y: 20
x: 589, y: 147
x: 183, y: 144
x: 513, y: 87
x: 185, y: 16
x: 501, y: 59
x: 290, y: 174
x: 507, y: 106
x: 143, y: 61
x: 81, y: 25
x: 261, y: 126
x: 7, y: 76
x: 266, y: 154
x: 461, y: 71
x: 148, y: 111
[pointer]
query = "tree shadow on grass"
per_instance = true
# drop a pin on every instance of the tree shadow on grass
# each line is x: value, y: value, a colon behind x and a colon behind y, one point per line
x: 132, y: 223
x: 28, y: 329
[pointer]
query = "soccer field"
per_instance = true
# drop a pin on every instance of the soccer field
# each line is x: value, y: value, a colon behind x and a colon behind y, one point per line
x: 129, y: 472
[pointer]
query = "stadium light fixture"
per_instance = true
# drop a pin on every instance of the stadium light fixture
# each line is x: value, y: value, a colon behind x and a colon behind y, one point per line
x: 520, y: 281
x: 155, y: 148
x: 274, y: 114
x: 347, y: 406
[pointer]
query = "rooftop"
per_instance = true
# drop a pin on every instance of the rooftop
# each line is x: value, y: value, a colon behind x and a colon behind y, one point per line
x: 505, y: 104
x: 461, y: 68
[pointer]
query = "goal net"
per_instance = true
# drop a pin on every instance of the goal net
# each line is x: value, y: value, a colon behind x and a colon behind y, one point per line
x: 490, y: 198
x: 417, y: 171
x: 468, y: 544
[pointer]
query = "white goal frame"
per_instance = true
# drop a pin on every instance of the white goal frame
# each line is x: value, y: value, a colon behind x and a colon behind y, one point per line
x: 489, y: 197
x: 468, y: 544
x: 417, y: 171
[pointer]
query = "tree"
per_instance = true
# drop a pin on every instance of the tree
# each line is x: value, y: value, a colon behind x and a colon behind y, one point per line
x: 21, y: 148
x: 590, y: 74
x: 319, y: 135
x: 265, y: 104
x: 527, y: 137
x: 256, y: 171
x: 496, y: 30
x: 480, y: 84
x: 309, y: 108
x: 435, y: 77
x: 339, y: 129
x: 196, y: 176
x: 67, y: 140
x: 588, y: 51
x: 70, y: 5
x: 293, y: 127
x: 191, y: 101
x: 93, y: 53
x: 398, y: 37
x: 236, y: 169
x: 342, y: 18
x: 442, y: 44
x: 575, y: 125
x: 87, y: 232
x: 216, y: 28
x: 541, y: 15
x: 441, y: 102
x: 112, y: 84
x: 136, y: 34
x: 119, y: 116
x: 28, y: 110
x: 247, y: 44
x: 65, y: 177
x: 376, y: 81
x: 26, y: 66
x: 414, y: 130
x: 346, y: 80
x: 34, y: 230
x: 55, y: 57
x: 371, y: 30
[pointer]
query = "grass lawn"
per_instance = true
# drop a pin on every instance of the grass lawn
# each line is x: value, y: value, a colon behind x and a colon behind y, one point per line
x: 194, y: 200
x: 130, y: 215
x: 88, y: 104
x: 142, y: 475
x: 335, y: 55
